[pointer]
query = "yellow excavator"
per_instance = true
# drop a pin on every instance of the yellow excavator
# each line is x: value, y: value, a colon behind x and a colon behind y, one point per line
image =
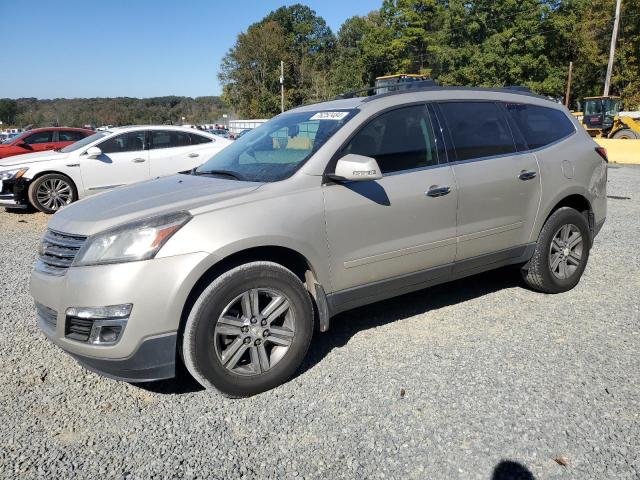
x: 602, y: 119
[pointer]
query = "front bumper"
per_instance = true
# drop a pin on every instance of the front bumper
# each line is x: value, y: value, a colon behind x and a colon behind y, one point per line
x: 14, y: 194
x: 158, y: 290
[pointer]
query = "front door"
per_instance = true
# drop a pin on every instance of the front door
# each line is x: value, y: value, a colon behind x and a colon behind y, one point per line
x: 124, y: 160
x: 499, y: 187
x: 401, y: 224
x: 39, y: 142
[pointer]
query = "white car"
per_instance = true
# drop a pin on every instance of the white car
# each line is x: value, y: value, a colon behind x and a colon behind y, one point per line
x: 107, y: 159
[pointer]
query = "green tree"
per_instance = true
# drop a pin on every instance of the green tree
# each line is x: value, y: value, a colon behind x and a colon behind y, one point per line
x: 249, y: 72
x: 8, y: 111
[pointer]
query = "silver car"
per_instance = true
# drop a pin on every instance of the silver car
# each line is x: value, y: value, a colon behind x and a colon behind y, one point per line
x: 231, y: 268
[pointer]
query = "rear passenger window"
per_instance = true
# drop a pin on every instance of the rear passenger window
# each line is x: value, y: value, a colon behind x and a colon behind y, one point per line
x: 197, y: 139
x: 478, y: 129
x: 401, y: 139
x: 540, y: 125
x: 169, y: 139
x: 70, y: 135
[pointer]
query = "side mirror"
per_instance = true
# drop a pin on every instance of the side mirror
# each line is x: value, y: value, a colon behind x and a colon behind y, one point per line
x: 356, y: 168
x: 26, y: 146
x: 93, y: 152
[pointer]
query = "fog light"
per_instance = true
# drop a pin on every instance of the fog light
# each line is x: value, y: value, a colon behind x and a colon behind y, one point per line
x: 112, y: 311
x: 106, y: 332
x: 97, y: 325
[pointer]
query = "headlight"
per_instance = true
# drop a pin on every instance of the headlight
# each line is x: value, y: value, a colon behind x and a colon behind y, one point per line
x: 131, y: 242
x: 14, y: 174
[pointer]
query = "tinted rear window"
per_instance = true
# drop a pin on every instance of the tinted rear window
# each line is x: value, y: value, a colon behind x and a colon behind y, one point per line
x: 70, y: 135
x: 478, y: 129
x: 540, y: 125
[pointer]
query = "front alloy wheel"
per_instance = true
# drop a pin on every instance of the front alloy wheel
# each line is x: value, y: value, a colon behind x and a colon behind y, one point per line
x: 51, y: 192
x: 254, y: 331
x: 249, y: 330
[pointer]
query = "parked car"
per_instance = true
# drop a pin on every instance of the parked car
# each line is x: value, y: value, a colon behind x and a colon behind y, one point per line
x: 219, y: 132
x: 243, y: 132
x: 324, y: 208
x: 41, y: 139
x: 107, y: 159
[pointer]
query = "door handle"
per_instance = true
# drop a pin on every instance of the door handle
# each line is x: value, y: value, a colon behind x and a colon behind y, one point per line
x: 194, y: 155
x: 138, y: 160
x: 436, y: 191
x: 527, y: 175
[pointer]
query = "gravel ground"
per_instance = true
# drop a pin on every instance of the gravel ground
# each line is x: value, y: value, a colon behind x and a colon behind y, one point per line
x: 480, y: 378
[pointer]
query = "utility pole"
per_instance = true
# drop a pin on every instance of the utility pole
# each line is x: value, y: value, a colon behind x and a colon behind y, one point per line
x: 281, y: 86
x: 568, y: 94
x: 612, y: 50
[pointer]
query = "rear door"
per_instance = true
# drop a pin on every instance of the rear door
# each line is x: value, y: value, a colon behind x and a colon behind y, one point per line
x: 174, y: 151
x: 400, y: 224
x: 63, y: 138
x: 498, y: 181
x: 124, y: 160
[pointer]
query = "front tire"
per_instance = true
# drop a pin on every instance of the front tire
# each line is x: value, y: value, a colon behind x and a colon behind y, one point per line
x: 561, y: 253
x: 249, y: 330
x: 50, y: 192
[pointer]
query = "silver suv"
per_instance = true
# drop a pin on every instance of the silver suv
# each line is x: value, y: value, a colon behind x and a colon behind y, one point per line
x: 230, y: 268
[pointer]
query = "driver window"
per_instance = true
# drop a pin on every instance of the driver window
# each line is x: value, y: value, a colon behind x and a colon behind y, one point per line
x: 40, y: 137
x: 401, y: 139
x: 127, y: 142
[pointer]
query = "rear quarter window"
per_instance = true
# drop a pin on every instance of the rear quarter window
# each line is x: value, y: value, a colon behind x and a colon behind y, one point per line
x: 540, y: 126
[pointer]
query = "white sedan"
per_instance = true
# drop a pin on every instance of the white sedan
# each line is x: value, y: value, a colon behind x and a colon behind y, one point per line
x: 107, y: 159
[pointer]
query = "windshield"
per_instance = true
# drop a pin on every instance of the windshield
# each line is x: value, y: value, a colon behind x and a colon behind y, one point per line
x: 85, y: 141
x: 608, y: 106
x: 276, y: 149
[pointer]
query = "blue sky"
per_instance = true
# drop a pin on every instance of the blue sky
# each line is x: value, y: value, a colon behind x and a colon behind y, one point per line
x: 135, y: 48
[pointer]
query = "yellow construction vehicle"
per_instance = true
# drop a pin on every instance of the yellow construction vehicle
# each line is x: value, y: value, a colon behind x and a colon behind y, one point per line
x: 602, y: 119
x: 389, y: 83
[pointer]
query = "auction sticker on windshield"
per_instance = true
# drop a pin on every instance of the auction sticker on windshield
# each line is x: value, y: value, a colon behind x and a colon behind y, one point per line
x: 329, y: 116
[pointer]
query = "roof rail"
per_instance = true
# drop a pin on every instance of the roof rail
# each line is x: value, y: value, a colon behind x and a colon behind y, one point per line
x: 514, y: 91
x: 518, y: 88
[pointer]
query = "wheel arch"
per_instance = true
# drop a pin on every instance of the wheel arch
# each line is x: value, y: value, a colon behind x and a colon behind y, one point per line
x: 56, y: 172
x: 288, y: 257
x: 578, y: 202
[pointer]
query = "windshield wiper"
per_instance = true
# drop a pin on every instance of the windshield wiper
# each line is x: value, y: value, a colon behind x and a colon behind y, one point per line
x: 224, y: 173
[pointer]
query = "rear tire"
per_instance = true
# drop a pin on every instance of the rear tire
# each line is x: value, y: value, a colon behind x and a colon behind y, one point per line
x: 50, y: 192
x: 561, y: 253
x: 249, y: 330
x: 626, y: 133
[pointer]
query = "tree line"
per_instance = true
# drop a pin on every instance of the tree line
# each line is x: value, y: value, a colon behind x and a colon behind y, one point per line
x: 111, y: 111
x: 490, y: 43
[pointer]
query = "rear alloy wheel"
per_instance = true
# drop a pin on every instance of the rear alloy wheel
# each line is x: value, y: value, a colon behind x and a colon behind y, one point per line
x: 249, y: 330
x: 51, y: 192
x: 561, y: 253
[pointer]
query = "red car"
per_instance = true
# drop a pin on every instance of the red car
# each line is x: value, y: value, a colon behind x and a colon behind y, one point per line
x: 40, y: 139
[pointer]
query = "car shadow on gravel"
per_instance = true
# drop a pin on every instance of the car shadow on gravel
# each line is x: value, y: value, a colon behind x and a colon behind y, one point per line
x: 509, y: 470
x: 345, y: 325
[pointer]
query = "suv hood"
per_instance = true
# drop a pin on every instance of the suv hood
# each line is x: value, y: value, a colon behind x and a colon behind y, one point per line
x: 26, y: 158
x: 146, y: 199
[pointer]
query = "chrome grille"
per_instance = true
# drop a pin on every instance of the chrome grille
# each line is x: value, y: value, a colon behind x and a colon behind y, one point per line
x: 57, y: 252
x: 48, y: 316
